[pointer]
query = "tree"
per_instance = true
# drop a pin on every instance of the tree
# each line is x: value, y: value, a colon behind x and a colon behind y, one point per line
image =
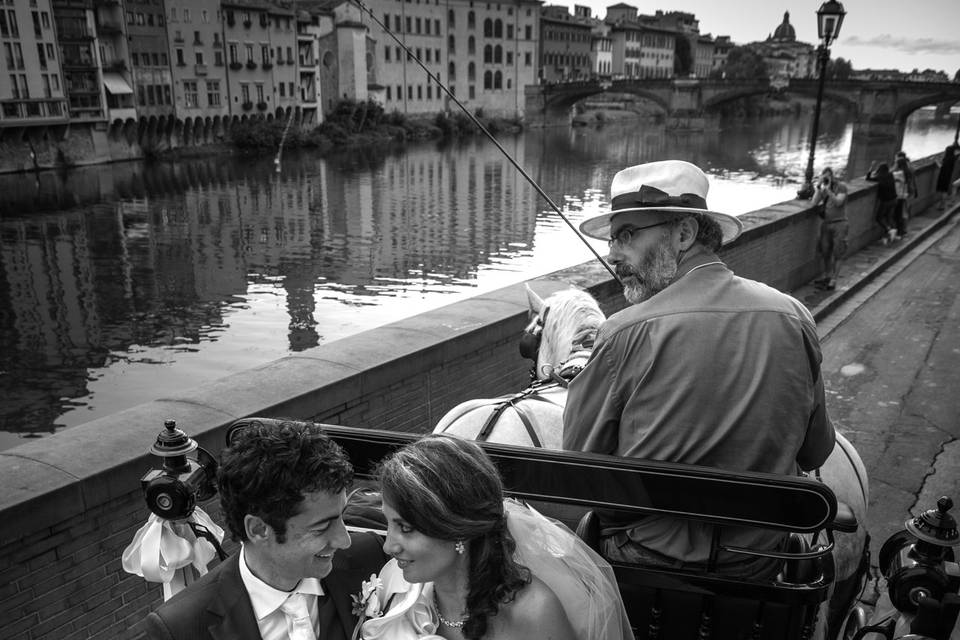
x: 682, y: 57
x: 956, y: 76
x: 743, y: 63
x: 839, y: 69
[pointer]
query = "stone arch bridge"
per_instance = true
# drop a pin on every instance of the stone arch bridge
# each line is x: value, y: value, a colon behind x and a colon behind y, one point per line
x: 879, y: 108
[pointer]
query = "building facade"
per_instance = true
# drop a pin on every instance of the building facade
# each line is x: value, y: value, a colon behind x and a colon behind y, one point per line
x: 174, y: 67
x: 250, y: 57
x: 565, y: 45
x: 31, y: 84
x: 601, y: 49
x: 114, y: 60
x: 485, y: 53
x: 80, y: 61
x: 149, y: 57
x: 309, y: 28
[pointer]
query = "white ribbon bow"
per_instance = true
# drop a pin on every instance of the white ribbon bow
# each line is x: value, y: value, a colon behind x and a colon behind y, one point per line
x: 162, y: 547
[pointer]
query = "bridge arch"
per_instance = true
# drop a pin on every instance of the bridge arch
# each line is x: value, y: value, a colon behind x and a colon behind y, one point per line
x: 904, y: 110
x: 715, y: 101
x: 572, y: 94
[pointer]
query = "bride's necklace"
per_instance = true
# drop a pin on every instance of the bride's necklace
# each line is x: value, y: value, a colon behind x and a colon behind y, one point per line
x: 447, y: 623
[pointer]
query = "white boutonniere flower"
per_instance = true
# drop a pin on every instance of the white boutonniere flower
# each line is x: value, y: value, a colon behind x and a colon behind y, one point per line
x: 368, y: 603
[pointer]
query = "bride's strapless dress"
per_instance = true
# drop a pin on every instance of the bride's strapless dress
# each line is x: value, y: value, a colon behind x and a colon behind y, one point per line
x: 581, y: 579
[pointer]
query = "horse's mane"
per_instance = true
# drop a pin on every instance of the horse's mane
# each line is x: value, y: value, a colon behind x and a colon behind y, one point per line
x: 573, y: 316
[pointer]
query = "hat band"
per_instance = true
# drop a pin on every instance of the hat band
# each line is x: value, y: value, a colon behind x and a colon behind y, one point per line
x: 651, y: 197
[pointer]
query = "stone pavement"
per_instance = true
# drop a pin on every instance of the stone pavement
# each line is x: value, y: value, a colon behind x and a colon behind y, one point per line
x: 890, y: 336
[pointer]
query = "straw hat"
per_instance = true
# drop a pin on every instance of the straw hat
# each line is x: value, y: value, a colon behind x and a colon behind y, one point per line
x: 668, y: 186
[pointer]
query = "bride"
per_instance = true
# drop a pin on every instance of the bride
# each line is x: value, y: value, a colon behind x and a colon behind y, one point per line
x: 469, y: 564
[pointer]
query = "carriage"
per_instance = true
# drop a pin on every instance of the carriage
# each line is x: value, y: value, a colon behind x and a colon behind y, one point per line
x: 823, y: 567
x: 923, y: 599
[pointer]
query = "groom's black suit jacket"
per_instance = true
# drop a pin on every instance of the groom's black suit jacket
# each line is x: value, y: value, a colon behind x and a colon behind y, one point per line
x: 217, y: 607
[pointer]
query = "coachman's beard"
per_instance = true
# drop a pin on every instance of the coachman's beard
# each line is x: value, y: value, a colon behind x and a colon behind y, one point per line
x: 656, y: 272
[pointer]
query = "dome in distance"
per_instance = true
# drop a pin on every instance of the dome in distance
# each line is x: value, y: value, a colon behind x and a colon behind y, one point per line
x: 785, y: 31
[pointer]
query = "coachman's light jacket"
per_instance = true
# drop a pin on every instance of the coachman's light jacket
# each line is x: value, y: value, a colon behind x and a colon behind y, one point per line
x: 715, y: 370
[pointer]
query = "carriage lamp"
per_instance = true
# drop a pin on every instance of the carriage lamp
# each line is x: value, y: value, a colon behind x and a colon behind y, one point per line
x: 172, y: 492
x: 918, y: 562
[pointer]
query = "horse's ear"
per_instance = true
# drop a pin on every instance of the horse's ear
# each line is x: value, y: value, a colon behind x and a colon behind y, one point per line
x: 535, y: 301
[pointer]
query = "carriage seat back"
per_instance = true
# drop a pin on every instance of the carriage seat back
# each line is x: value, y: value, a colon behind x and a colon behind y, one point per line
x: 665, y: 602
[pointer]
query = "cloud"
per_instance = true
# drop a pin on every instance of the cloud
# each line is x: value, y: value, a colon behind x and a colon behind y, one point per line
x: 921, y: 46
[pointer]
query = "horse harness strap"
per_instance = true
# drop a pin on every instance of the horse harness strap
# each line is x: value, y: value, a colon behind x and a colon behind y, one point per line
x: 528, y: 393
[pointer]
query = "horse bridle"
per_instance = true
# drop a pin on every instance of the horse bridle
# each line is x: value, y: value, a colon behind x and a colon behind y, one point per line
x: 531, y: 338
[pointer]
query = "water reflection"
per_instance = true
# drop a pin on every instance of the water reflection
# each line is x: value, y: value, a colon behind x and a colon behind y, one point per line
x: 122, y: 283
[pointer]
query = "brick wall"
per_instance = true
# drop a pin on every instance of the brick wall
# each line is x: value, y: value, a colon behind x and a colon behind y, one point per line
x: 71, y: 502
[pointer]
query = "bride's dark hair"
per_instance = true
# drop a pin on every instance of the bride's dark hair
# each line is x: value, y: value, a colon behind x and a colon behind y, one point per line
x: 447, y: 488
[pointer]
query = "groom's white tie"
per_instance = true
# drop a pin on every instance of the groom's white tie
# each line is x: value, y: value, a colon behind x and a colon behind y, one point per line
x: 299, y: 625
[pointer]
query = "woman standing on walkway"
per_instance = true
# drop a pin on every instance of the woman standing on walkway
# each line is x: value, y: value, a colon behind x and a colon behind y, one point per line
x: 945, y: 176
x: 886, y: 199
x: 901, y: 178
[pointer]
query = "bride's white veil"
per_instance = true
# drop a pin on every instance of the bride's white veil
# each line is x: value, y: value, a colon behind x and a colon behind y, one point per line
x: 582, y: 580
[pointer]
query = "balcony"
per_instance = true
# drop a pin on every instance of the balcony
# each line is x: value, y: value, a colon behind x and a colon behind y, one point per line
x: 267, y: 66
x: 251, y: 65
x: 29, y: 112
x: 246, y: 106
x: 200, y: 69
x: 79, y: 63
x: 110, y: 28
x: 74, y: 33
x: 262, y: 106
x: 116, y: 66
x: 236, y: 66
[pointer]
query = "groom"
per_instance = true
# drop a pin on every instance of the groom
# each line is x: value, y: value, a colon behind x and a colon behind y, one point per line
x: 282, y: 490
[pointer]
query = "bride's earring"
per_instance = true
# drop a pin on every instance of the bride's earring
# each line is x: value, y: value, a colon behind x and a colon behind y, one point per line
x: 459, y: 547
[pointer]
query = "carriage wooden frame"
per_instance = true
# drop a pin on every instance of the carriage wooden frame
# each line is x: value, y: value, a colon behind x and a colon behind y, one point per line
x: 663, y: 602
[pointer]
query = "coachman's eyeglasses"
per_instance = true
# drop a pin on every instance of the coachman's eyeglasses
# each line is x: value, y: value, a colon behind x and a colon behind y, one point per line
x: 624, y: 235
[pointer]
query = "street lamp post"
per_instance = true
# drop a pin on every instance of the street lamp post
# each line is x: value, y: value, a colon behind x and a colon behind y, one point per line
x: 829, y: 18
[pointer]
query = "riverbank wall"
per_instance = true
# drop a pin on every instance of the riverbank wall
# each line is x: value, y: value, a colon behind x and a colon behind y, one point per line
x: 72, y: 502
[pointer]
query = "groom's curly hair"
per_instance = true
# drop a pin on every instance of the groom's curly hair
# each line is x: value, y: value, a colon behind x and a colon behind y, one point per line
x: 448, y: 488
x: 269, y: 466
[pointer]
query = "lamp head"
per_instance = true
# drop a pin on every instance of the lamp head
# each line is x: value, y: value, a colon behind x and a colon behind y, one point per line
x: 829, y: 18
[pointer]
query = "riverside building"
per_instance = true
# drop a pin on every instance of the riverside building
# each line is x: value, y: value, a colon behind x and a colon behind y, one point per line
x: 150, y: 59
x: 565, y: 44
x: 485, y: 53
x: 639, y: 49
x: 31, y: 88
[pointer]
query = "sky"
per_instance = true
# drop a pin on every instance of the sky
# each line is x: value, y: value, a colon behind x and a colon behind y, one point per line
x: 876, y: 34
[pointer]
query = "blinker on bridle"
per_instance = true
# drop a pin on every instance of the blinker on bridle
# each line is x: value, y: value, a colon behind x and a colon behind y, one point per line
x: 530, y: 340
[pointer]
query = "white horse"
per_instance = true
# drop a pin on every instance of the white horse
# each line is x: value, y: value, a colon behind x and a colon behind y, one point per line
x: 565, y: 325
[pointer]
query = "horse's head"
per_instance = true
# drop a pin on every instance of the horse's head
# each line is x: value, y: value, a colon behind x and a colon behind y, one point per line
x: 561, y: 331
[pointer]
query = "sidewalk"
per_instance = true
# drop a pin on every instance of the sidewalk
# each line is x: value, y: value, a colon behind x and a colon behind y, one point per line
x: 862, y: 268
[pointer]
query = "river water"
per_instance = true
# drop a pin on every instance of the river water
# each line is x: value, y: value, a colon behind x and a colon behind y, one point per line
x: 123, y: 283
